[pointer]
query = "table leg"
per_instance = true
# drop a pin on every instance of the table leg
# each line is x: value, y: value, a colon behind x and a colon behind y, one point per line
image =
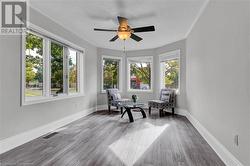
x: 124, y: 113
x: 121, y: 110
x: 143, y: 113
x: 131, y: 119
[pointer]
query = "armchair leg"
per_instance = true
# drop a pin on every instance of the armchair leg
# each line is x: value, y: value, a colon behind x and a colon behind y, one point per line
x: 173, y: 111
x: 149, y: 110
x: 109, y: 108
x: 165, y: 113
x: 160, y: 112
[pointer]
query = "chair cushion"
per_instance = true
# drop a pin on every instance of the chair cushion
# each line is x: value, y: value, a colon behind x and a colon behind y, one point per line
x: 165, y: 95
x: 116, y: 96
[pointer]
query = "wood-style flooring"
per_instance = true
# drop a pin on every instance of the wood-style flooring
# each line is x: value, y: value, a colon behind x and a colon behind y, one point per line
x: 102, y: 139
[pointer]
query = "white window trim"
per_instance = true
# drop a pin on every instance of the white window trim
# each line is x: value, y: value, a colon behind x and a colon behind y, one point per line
x: 120, y: 71
x: 79, y: 65
x: 46, y: 69
x: 142, y: 59
x: 170, y: 56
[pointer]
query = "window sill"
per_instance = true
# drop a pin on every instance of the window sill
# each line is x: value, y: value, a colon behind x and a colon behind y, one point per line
x: 103, y: 92
x: 50, y: 98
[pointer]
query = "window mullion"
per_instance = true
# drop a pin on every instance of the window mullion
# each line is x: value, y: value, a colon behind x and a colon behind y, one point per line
x: 44, y: 67
x: 65, y: 70
x: 81, y: 72
x: 23, y: 66
x: 120, y: 75
x: 47, y: 75
x: 162, y: 74
x: 78, y: 63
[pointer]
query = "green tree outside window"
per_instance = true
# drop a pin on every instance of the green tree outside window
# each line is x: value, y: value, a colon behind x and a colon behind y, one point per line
x: 34, y: 65
x: 172, y: 74
x: 110, y: 73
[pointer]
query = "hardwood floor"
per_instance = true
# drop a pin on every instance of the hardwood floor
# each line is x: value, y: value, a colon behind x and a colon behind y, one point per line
x: 106, y: 139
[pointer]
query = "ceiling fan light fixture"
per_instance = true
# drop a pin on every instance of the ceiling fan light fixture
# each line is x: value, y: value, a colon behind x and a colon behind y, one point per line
x: 125, y: 32
x: 123, y: 35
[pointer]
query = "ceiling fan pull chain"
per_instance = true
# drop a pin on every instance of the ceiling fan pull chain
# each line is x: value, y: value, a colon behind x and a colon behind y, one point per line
x: 124, y: 46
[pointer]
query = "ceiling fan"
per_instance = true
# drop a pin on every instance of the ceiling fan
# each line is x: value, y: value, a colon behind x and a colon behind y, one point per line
x: 125, y: 32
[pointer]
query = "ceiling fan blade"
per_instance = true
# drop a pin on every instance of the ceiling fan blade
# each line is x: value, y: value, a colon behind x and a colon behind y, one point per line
x: 114, y: 38
x: 144, y: 29
x: 109, y: 30
x: 122, y: 20
x: 135, y: 37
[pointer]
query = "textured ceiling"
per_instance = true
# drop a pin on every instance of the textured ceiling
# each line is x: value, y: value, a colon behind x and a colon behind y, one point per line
x: 172, y: 19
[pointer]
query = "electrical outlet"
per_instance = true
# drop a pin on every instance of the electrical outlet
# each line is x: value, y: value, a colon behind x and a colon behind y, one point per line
x: 236, y: 140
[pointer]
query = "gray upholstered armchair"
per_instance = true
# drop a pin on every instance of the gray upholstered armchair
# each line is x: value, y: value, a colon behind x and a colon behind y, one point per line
x: 114, y: 98
x: 167, y: 100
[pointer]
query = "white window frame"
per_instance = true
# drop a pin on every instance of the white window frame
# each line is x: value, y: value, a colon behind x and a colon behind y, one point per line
x: 120, y: 71
x: 78, y: 60
x: 149, y: 59
x: 166, y: 57
x: 46, y: 67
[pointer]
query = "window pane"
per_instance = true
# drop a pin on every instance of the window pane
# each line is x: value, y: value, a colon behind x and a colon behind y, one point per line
x: 34, y: 65
x: 140, y: 75
x: 73, y: 71
x: 110, y: 73
x: 56, y: 69
x: 172, y: 74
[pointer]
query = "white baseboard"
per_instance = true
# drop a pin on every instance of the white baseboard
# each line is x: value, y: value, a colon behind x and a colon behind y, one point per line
x: 17, y: 140
x: 101, y: 107
x: 226, y: 156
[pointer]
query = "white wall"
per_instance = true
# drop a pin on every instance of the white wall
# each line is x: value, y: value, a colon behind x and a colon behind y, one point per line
x: 217, y: 63
x: 16, y: 119
x: 145, y: 96
x: 1, y: 98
